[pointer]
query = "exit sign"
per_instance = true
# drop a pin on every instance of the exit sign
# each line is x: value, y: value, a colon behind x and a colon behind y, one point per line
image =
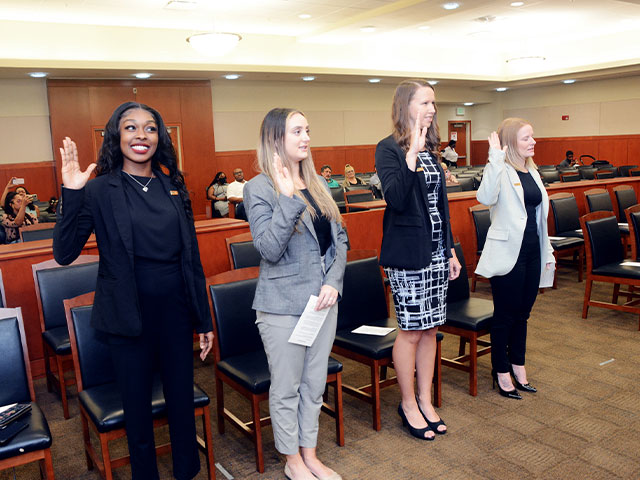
x: 565, y: 117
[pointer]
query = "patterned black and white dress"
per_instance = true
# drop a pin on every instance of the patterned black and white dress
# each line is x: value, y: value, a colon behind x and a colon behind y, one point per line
x: 420, y: 296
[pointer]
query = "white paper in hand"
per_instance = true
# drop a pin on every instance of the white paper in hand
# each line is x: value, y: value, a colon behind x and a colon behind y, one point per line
x: 309, y: 324
x: 547, y: 276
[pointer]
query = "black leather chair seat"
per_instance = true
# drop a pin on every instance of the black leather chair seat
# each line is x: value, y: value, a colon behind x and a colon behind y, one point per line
x: 571, y: 233
x: 618, y: 270
x: 372, y: 346
x: 471, y: 314
x: 58, y: 339
x: 104, y: 404
x: 566, y: 243
x: 35, y: 437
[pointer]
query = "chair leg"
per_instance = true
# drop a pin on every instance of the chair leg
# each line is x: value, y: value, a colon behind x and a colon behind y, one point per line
x: 616, y: 293
x: 46, y: 465
x: 220, y: 405
x: 580, y: 264
x: 87, y: 441
x: 337, y: 393
x: 208, y: 438
x: 375, y: 395
x: 47, y: 366
x: 63, y: 387
x: 474, y: 278
x: 473, y: 364
x: 462, y: 346
x: 587, y: 297
x: 257, y: 433
x: 106, y: 457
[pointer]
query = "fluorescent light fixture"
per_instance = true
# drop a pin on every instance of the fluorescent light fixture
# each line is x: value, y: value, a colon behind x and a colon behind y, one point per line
x: 368, y: 29
x: 424, y: 27
x: 450, y: 5
x: 38, y: 74
x: 432, y: 82
x: 181, y: 5
x: 304, y: 16
x: 468, y: 104
x: 214, y: 44
x: 232, y: 76
x: 569, y: 81
x: 501, y: 89
x: 308, y: 78
x: 142, y: 75
x: 374, y: 80
x: 517, y: 4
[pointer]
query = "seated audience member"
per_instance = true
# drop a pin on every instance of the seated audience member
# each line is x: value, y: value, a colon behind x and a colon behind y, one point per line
x: 32, y: 209
x: 325, y: 171
x: 217, y: 193
x: 449, y: 177
x: 569, y: 161
x: 376, y: 185
x: 49, y: 214
x: 15, y: 208
x: 350, y: 178
x: 234, y: 193
x: 449, y: 154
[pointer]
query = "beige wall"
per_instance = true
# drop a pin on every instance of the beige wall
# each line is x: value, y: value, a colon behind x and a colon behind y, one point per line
x: 25, y: 134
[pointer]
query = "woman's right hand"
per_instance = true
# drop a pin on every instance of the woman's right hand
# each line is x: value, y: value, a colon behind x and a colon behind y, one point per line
x: 72, y: 177
x: 282, y: 177
x: 418, y: 141
x: 494, y: 142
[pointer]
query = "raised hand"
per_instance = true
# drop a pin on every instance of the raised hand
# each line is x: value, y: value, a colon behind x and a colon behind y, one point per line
x: 72, y: 177
x: 282, y: 177
x: 418, y: 141
x: 494, y: 142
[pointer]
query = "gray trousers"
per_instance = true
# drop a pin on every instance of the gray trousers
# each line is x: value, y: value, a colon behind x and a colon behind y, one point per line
x: 298, y: 379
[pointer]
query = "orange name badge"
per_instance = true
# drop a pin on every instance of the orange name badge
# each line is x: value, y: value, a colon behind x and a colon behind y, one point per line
x: 419, y: 169
x: 517, y: 184
x: 173, y: 192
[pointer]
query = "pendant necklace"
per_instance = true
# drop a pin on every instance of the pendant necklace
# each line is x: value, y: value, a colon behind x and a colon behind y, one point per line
x: 144, y: 187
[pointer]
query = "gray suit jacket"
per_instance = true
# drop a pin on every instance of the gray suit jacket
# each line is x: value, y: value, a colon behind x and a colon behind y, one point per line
x: 283, y: 233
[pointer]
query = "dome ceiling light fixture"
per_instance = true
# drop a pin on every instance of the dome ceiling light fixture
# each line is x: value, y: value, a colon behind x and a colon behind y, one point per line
x: 214, y: 44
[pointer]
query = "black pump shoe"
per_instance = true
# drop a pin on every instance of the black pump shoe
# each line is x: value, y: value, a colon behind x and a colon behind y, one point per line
x: 505, y: 393
x: 525, y: 387
x: 433, y: 425
x: 416, y: 432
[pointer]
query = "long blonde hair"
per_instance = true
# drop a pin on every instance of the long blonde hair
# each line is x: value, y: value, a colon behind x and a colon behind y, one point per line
x: 272, y: 134
x: 508, y: 134
x: 402, y: 125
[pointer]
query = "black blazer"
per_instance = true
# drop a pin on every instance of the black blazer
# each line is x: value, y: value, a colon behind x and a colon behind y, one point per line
x: 406, y: 228
x: 101, y: 206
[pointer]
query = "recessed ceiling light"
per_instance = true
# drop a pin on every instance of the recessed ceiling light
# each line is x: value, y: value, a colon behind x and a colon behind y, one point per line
x: 232, y: 76
x: 308, y: 78
x: 517, y: 4
x: 468, y: 104
x: 501, y: 89
x: 424, y: 27
x: 368, y: 29
x: 375, y: 80
x: 142, y: 75
x: 304, y: 16
x: 432, y: 82
x: 450, y: 5
x: 181, y: 5
x: 571, y: 80
x: 38, y: 74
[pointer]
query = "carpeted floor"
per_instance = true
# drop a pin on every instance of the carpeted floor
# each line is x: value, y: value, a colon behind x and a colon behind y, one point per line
x: 584, y: 423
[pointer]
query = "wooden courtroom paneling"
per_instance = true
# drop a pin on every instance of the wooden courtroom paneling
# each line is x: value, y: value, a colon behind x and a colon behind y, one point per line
x: 39, y: 177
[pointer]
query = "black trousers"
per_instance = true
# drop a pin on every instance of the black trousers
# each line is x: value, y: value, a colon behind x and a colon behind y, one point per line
x: 165, y: 347
x: 513, y: 297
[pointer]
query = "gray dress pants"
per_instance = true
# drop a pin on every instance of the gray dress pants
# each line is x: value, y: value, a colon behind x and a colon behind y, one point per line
x: 298, y: 379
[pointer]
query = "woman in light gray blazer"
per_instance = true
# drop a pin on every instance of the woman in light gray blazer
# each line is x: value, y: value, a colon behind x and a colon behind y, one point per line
x: 296, y: 227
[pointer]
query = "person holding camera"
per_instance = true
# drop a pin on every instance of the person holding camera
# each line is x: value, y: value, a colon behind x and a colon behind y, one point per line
x: 16, y: 216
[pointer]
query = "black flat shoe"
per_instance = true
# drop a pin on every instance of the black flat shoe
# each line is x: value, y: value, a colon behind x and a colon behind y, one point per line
x: 416, y: 432
x: 505, y: 393
x: 432, y: 425
x: 525, y: 387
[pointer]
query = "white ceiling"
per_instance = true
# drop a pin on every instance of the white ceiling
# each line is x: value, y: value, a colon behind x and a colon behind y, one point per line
x: 113, y: 38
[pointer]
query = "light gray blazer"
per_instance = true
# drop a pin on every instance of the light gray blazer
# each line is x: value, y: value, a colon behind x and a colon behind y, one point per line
x: 283, y: 233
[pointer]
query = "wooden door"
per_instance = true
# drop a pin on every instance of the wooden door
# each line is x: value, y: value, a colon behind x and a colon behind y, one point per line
x: 460, y: 131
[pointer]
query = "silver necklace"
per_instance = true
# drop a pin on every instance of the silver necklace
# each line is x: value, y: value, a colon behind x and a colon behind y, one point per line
x: 144, y: 187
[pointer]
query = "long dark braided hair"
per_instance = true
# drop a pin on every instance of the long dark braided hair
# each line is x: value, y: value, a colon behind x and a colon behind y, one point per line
x: 110, y: 155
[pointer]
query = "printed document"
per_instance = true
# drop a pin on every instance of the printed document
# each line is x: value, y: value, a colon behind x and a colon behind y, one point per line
x: 371, y: 330
x: 309, y: 324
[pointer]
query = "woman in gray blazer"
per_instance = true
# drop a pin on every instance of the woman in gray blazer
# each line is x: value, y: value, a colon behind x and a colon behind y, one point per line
x: 296, y: 227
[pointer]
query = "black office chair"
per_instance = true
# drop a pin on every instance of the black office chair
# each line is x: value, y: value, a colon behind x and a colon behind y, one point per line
x: 625, y: 198
x: 566, y: 216
x: 33, y: 443
x: 601, y: 175
x: 337, y: 193
x: 39, y: 231
x: 54, y: 283
x: 354, y: 196
x: 240, y: 359
x: 549, y: 175
x: 587, y: 173
x: 242, y: 253
x: 624, y: 169
x: 466, y: 183
x: 481, y: 219
x: 569, y: 177
x: 598, y: 200
x: 99, y: 396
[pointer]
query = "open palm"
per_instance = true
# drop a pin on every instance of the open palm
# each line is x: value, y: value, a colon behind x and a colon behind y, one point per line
x: 72, y: 176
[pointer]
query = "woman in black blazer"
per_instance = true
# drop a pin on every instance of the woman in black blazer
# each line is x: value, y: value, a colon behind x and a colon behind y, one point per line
x: 150, y: 291
x: 417, y: 247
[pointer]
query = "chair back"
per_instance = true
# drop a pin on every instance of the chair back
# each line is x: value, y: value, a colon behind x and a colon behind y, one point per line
x: 39, y: 231
x: 481, y: 217
x: 466, y: 183
x: 632, y: 214
x: 89, y: 347
x: 550, y: 175
x: 598, y: 200
x: 587, y: 173
x: 359, y: 195
x: 363, y: 294
x: 625, y: 198
x: 15, y: 374
x: 624, y: 169
x: 602, y: 239
x: 357, y: 187
x: 242, y: 253
x: 605, y: 174
x: 566, y: 216
x: 569, y: 177
x: 454, y: 188
x: 55, y: 282
x: 231, y: 295
x: 459, y: 288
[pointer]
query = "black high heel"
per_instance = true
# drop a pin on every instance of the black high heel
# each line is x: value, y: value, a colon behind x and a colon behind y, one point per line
x: 525, y: 387
x: 505, y: 393
x: 416, y: 432
x: 433, y: 425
